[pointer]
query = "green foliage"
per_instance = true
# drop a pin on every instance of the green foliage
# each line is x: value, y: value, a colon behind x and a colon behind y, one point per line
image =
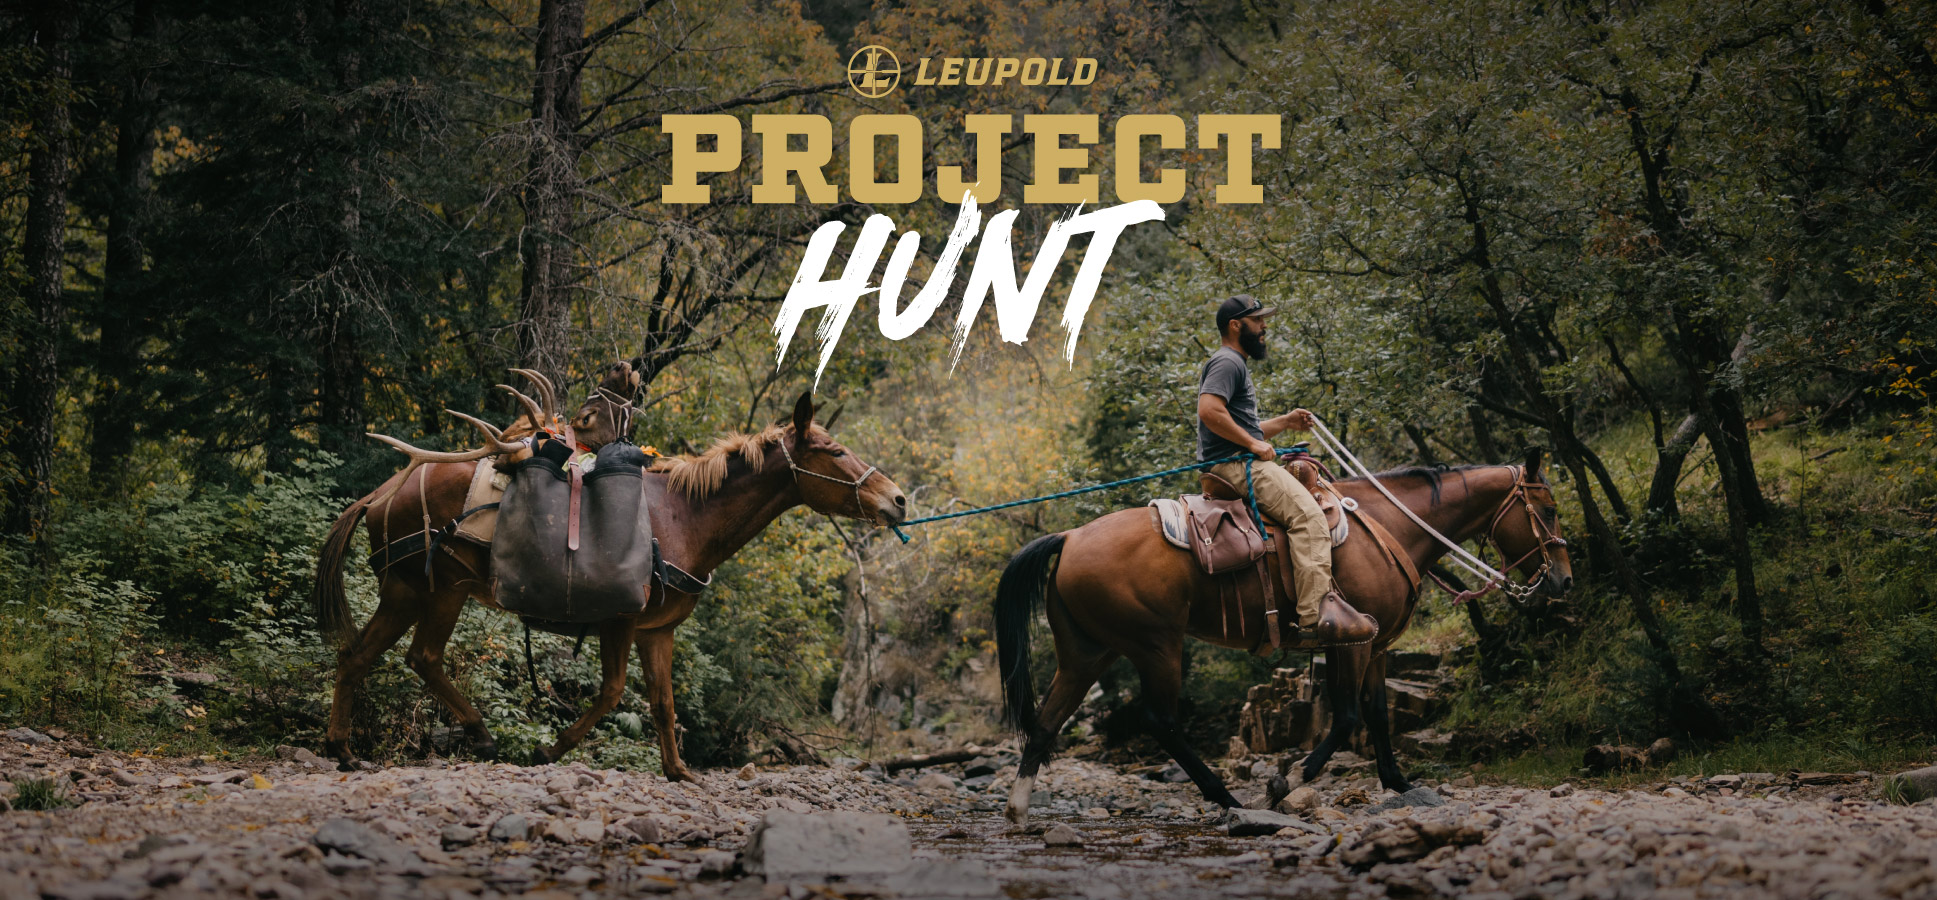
x: 40, y: 794
x: 69, y: 639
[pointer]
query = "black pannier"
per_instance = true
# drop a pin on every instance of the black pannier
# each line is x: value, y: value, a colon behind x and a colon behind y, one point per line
x: 574, y: 545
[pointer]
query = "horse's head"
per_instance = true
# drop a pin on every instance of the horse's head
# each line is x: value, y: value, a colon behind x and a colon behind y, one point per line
x: 833, y: 480
x: 1527, y: 531
x: 606, y: 414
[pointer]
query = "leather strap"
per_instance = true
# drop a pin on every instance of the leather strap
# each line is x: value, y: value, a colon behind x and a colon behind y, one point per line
x: 1391, y: 547
x: 571, y: 516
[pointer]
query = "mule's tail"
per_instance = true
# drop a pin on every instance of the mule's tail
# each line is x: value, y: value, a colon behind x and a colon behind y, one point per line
x: 327, y: 599
x: 1016, y: 597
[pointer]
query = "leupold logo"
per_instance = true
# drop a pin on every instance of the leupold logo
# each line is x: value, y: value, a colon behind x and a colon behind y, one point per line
x: 873, y: 71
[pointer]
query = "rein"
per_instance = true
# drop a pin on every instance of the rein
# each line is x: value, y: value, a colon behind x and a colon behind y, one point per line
x: 1491, y: 579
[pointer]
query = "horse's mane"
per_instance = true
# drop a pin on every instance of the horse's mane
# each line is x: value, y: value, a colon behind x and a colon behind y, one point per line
x: 698, y: 475
x: 1430, y: 474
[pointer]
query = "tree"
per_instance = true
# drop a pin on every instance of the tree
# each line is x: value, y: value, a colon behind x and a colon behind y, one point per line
x: 37, y: 384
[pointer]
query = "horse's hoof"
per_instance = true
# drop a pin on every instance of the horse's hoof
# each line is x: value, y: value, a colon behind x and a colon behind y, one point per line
x: 346, y: 765
x: 539, y: 757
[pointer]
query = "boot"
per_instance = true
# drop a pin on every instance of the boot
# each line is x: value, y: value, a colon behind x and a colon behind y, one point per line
x: 1339, y: 625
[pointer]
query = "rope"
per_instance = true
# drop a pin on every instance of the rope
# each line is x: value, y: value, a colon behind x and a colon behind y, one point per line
x: 1457, y: 554
x: 1247, y: 457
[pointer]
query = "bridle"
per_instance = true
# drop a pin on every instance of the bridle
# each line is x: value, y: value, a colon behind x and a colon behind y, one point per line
x: 618, y: 407
x: 855, y: 484
x: 1549, y: 539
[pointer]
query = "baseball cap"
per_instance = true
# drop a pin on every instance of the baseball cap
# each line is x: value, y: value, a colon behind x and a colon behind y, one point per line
x: 1238, y: 306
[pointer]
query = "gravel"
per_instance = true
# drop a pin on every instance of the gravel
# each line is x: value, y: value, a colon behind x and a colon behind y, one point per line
x: 286, y: 829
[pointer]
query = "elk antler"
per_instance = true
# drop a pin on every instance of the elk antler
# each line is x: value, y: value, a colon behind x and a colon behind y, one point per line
x: 546, y: 391
x: 539, y: 418
x: 419, y: 456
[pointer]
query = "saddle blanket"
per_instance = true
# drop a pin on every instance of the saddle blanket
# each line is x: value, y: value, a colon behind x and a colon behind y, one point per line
x: 487, y: 487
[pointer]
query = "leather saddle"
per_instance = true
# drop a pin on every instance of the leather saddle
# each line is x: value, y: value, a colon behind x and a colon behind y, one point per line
x: 1217, y: 527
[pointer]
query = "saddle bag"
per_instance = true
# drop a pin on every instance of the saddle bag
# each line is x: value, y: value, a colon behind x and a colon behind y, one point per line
x: 1223, y: 536
x: 574, y: 542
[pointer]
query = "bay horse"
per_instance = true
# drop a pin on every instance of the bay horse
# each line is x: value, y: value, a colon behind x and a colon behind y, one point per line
x: 1114, y: 588
x: 704, y: 509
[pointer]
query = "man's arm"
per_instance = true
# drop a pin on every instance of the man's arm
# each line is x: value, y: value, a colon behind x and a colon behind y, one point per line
x: 1300, y: 419
x: 1216, y: 416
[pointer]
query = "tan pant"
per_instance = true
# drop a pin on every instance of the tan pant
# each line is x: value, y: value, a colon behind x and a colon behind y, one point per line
x: 1281, y: 498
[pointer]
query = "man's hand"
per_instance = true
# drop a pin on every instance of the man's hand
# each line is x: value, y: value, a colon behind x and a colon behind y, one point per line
x: 1264, y: 450
x: 1301, y: 419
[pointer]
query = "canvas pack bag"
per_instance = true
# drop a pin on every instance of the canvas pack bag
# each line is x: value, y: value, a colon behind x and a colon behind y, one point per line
x: 574, y: 542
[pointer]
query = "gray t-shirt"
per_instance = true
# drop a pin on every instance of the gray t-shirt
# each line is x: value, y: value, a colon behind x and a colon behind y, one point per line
x: 1226, y: 376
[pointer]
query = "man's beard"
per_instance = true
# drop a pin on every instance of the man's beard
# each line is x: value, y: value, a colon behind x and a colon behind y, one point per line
x: 1253, y: 344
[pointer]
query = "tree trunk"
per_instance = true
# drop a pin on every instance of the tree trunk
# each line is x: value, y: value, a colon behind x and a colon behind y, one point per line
x: 38, y: 380
x: 1418, y: 438
x: 117, y: 403
x: 1483, y: 434
x: 551, y: 190
x: 1668, y: 462
x: 339, y: 348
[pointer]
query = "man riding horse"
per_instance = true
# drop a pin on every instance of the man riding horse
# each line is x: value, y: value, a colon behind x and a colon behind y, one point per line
x: 1228, y: 425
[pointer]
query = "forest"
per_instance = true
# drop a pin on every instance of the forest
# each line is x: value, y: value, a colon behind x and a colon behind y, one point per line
x: 1688, y: 249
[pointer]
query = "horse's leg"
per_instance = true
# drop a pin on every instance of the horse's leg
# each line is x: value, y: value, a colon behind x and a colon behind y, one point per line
x: 426, y: 658
x: 1378, y: 725
x: 397, y: 609
x: 615, y: 648
x: 1163, y: 682
x: 1344, y: 669
x: 656, y: 661
x: 1079, y: 662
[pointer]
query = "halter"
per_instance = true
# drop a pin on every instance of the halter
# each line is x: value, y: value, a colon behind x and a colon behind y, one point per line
x: 855, y: 484
x: 618, y: 407
x: 1549, y: 538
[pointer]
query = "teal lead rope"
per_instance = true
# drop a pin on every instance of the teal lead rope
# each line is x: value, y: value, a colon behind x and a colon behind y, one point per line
x: 1198, y: 466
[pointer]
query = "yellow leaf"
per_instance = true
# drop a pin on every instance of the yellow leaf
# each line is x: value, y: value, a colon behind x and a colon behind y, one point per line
x: 262, y: 784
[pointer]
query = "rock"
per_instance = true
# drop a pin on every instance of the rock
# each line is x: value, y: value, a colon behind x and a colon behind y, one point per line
x: 746, y: 773
x: 1676, y: 793
x: 1564, y: 790
x: 1240, y: 822
x: 1604, y: 758
x: 1417, y: 797
x: 716, y: 862
x: 1301, y: 799
x: 232, y: 776
x: 124, y: 779
x: 340, y: 865
x: 1173, y: 774
x: 1425, y: 741
x: 514, y: 827
x: 937, y: 781
x: 644, y: 829
x: 979, y: 767
x: 581, y: 876
x: 1727, y: 781
x: 978, y: 782
x: 155, y: 842
x: 788, y: 846
x: 29, y: 736
x: 350, y: 838
x: 945, y: 878
x: 575, y: 831
x: 1062, y: 836
x: 1917, y: 784
x: 457, y: 836
x: 1662, y: 752
x: 1096, y: 812
x: 1405, y: 842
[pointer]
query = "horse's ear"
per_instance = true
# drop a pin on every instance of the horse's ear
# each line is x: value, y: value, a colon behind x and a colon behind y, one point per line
x: 1533, y: 464
x: 803, y: 415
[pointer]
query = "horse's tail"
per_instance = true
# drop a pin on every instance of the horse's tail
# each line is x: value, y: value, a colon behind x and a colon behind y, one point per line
x: 1016, y: 598
x: 327, y: 599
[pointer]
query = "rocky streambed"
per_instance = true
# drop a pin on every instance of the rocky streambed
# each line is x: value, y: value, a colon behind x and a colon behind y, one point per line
x: 292, y: 828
